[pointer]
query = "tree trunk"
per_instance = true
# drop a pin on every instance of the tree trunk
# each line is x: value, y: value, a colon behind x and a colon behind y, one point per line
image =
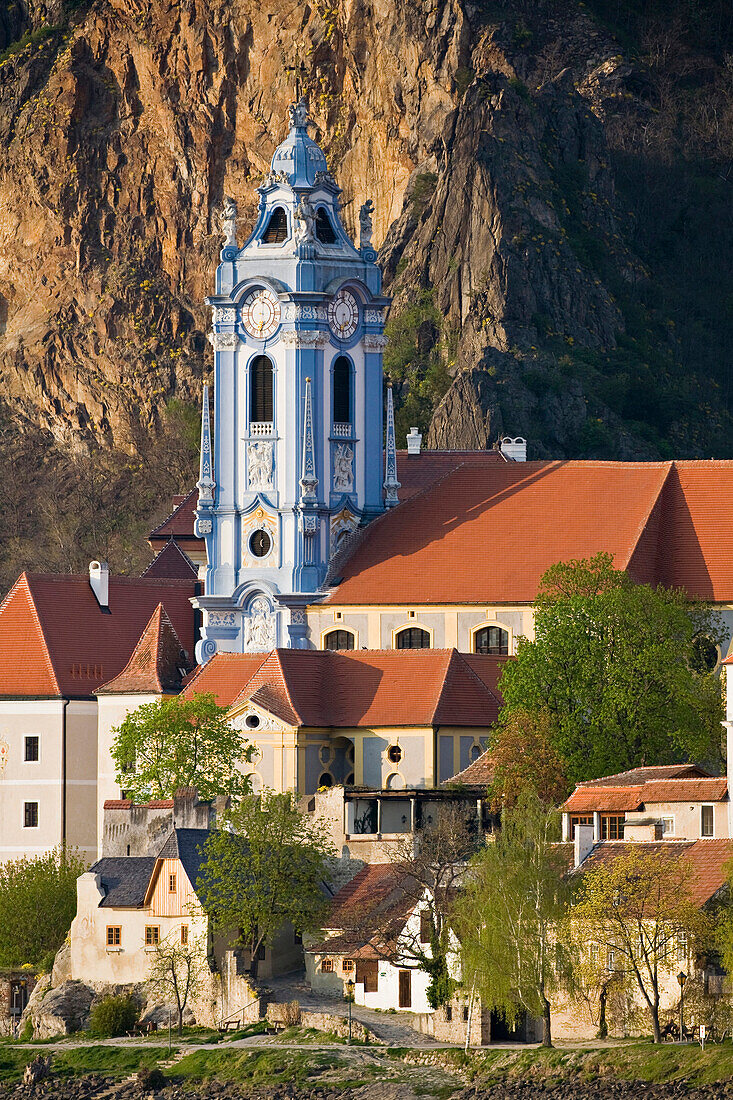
x: 655, y: 1024
x: 470, y: 1017
x: 546, y: 1023
x: 180, y: 1023
x: 602, y: 1024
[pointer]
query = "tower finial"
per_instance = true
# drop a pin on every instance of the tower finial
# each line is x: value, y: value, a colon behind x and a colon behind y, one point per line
x: 205, y: 483
x: 308, y: 479
x: 391, y: 484
x: 299, y: 114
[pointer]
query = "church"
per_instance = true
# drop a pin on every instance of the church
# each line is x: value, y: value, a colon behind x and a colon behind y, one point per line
x: 351, y: 601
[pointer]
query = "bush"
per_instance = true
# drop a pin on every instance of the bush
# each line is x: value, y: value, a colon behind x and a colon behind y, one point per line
x: 150, y: 1078
x: 37, y: 905
x: 113, y: 1016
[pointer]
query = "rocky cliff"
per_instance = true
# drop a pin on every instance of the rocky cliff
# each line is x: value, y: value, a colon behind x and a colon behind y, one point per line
x: 552, y: 200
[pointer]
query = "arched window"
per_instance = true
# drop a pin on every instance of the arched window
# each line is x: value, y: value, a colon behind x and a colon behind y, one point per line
x: 260, y: 394
x: 277, y: 227
x: 491, y: 639
x: 413, y: 637
x: 324, y: 228
x: 339, y: 639
x: 342, y: 391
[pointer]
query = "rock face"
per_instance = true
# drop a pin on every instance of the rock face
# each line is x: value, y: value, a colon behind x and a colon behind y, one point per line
x: 62, y: 1011
x: 495, y: 141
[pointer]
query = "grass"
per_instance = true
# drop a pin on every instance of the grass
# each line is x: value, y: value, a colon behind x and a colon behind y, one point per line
x: 110, y: 1061
x: 264, y: 1068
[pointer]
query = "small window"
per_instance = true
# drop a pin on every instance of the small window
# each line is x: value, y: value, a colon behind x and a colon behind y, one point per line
x: 326, y: 780
x: 413, y: 637
x: 260, y: 543
x: 339, y: 639
x: 114, y: 935
x: 683, y: 948
x: 576, y: 819
x: 612, y: 826
x: 172, y: 883
x: 30, y: 815
x: 474, y: 753
x: 324, y: 229
x: 448, y: 1013
x: 348, y: 966
x: 668, y: 826
x: 394, y: 754
x: 277, y: 227
x: 491, y: 639
x: 261, y: 387
x: 342, y: 391
x: 707, y: 821
x: 184, y: 934
x: 31, y: 749
x: 465, y: 1013
x: 152, y: 935
x: 327, y: 966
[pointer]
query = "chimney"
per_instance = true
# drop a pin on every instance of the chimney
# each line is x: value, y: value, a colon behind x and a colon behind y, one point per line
x: 514, y: 449
x: 582, y: 842
x: 99, y: 581
x: 414, y: 440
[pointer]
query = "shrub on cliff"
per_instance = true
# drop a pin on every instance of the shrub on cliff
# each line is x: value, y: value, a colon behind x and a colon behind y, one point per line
x: 113, y: 1016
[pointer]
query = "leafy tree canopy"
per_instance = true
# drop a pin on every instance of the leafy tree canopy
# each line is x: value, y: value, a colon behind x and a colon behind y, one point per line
x: 620, y: 670
x: 37, y: 905
x: 265, y: 869
x: 174, y: 743
x: 524, y: 757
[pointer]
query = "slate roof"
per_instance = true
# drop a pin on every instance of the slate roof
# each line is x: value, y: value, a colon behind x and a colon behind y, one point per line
x: 322, y: 688
x: 55, y: 639
x: 706, y: 857
x: 186, y: 845
x: 125, y: 880
x: 158, y: 663
x: 172, y: 564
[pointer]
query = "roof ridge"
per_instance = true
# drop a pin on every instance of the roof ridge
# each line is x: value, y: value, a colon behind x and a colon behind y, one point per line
x: 172, y: 514
x: 647, y: 516
x: 25, y: 578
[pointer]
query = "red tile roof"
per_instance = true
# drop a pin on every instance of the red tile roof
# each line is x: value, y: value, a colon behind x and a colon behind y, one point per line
x: 172, y: 563
x: 157, y: 664
x: 686, y: 790
x: 178, y: 525
x: 614, y: 798
x: 127, y: 804
x: 321, y: 688
x: 608, y: 799
x: 479, y: 774
x: 487, y: 530
x: 706, y: 857
x: 634, y: 776
x: 56, y: 640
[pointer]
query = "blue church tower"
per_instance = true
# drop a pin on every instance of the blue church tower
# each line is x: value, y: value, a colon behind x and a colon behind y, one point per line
x: 295, y: 461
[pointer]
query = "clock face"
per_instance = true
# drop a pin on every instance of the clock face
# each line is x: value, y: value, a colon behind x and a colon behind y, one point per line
x: 261, y: 313
x: 343, y: 314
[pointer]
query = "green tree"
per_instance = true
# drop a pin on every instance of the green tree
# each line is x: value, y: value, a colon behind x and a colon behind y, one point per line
x: 37, y: 905
x: 513, y: 901
x: 523, y: 756
x: 619, y: 668
x: 635, y: 915
x: 178, y: 970
x: 178, y: 742
x: 265, y: 869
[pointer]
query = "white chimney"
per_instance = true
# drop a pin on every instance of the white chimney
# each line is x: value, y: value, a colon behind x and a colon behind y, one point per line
x: 414, y: 440
x: 99, y: 581
x: 582, y: 843
x: 515, y: 449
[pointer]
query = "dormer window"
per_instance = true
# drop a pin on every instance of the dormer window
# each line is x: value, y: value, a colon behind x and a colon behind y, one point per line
x: 277, y: 227
x: 324, y: 229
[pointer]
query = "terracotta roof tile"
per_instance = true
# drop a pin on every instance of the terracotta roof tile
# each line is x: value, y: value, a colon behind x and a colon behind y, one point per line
x: 685, y: 790
x: 171, y: 563
x: 180, y: 521
x: 356, y: 688
x: 640, y: 786
x: 375, y: 885
x: 634, y: 776
x: 127, y: 804
x: 706, y: 857
x: 479, y: 774
x: 157, y: 664
x: 55, y: 639
x: 608, y: 799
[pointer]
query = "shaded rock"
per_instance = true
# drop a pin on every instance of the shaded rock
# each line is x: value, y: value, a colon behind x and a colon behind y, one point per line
x: 61, y: 1011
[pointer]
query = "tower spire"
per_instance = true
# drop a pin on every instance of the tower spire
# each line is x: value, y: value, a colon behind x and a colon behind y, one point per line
x: 205, y: 483
x: 308, y: 479
x: 391, y: 484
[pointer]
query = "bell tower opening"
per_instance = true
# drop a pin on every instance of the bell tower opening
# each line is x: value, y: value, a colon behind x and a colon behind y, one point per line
x: 277, y: 227
x: 261, y: 391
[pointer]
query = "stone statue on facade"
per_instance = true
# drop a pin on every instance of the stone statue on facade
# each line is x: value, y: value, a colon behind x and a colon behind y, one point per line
x: 259, y: 626
x: 305, y: 226
x: 259, y: 465
x: 299, y: 112
x: 343, y: 468
x: 228, y: 222
x: 365, y: 224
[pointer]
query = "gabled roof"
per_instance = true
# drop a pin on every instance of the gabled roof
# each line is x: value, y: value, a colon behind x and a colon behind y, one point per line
x: 125, y: 880
x: 706, y: 857
x: 171, y: 563
x: 634, y: 789
x: 179, y: 524
x: 479, y: 774
x: 55, y: 639
x: 487, y: 531
x: 187, y: 845
x: 157, y: 665
x: 321, y: 688
x: 634, y: 776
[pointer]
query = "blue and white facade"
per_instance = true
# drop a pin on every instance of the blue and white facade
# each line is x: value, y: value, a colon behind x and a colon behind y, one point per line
x: 295, y: 459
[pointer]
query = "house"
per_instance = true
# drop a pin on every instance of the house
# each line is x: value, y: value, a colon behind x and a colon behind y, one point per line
x: 682, y: 800
x: 375, y: 924
x: 393, y: 719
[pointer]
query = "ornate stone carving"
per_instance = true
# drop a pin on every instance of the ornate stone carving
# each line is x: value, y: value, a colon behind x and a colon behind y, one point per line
x: 342, y: 524
x: 327, y: 179
x: 305, y: 226
x: 228, y: 223
x: 259, y: 625
x: 259, y: 520
x: 309, y: 339
x: 222, y: 618
x: 259, y: 465
x: 343, y: 468
x: 224, y: 341
x: 225, y: 316
x: 297, y: 616
x: 299, y: 113
x: 203, y: 526
x: 374, y: 316
x: 293, y: 312
x: 365, y: 224
x: 205, y: 650
x: 372, y: 342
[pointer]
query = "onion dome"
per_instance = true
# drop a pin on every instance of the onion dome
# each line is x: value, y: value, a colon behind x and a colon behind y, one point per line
x: 298, y: 157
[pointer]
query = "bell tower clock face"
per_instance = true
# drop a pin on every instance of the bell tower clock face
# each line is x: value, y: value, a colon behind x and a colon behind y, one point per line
x: 343, y: 315
x: 260, y: 313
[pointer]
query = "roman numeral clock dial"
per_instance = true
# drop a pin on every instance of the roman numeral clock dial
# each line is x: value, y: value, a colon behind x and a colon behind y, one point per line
x: 343, y: 315
x: 261, y: 313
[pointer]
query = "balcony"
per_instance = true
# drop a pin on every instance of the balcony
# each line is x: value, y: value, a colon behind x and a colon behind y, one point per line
x: 342, y: 431
x: 262, y: 428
